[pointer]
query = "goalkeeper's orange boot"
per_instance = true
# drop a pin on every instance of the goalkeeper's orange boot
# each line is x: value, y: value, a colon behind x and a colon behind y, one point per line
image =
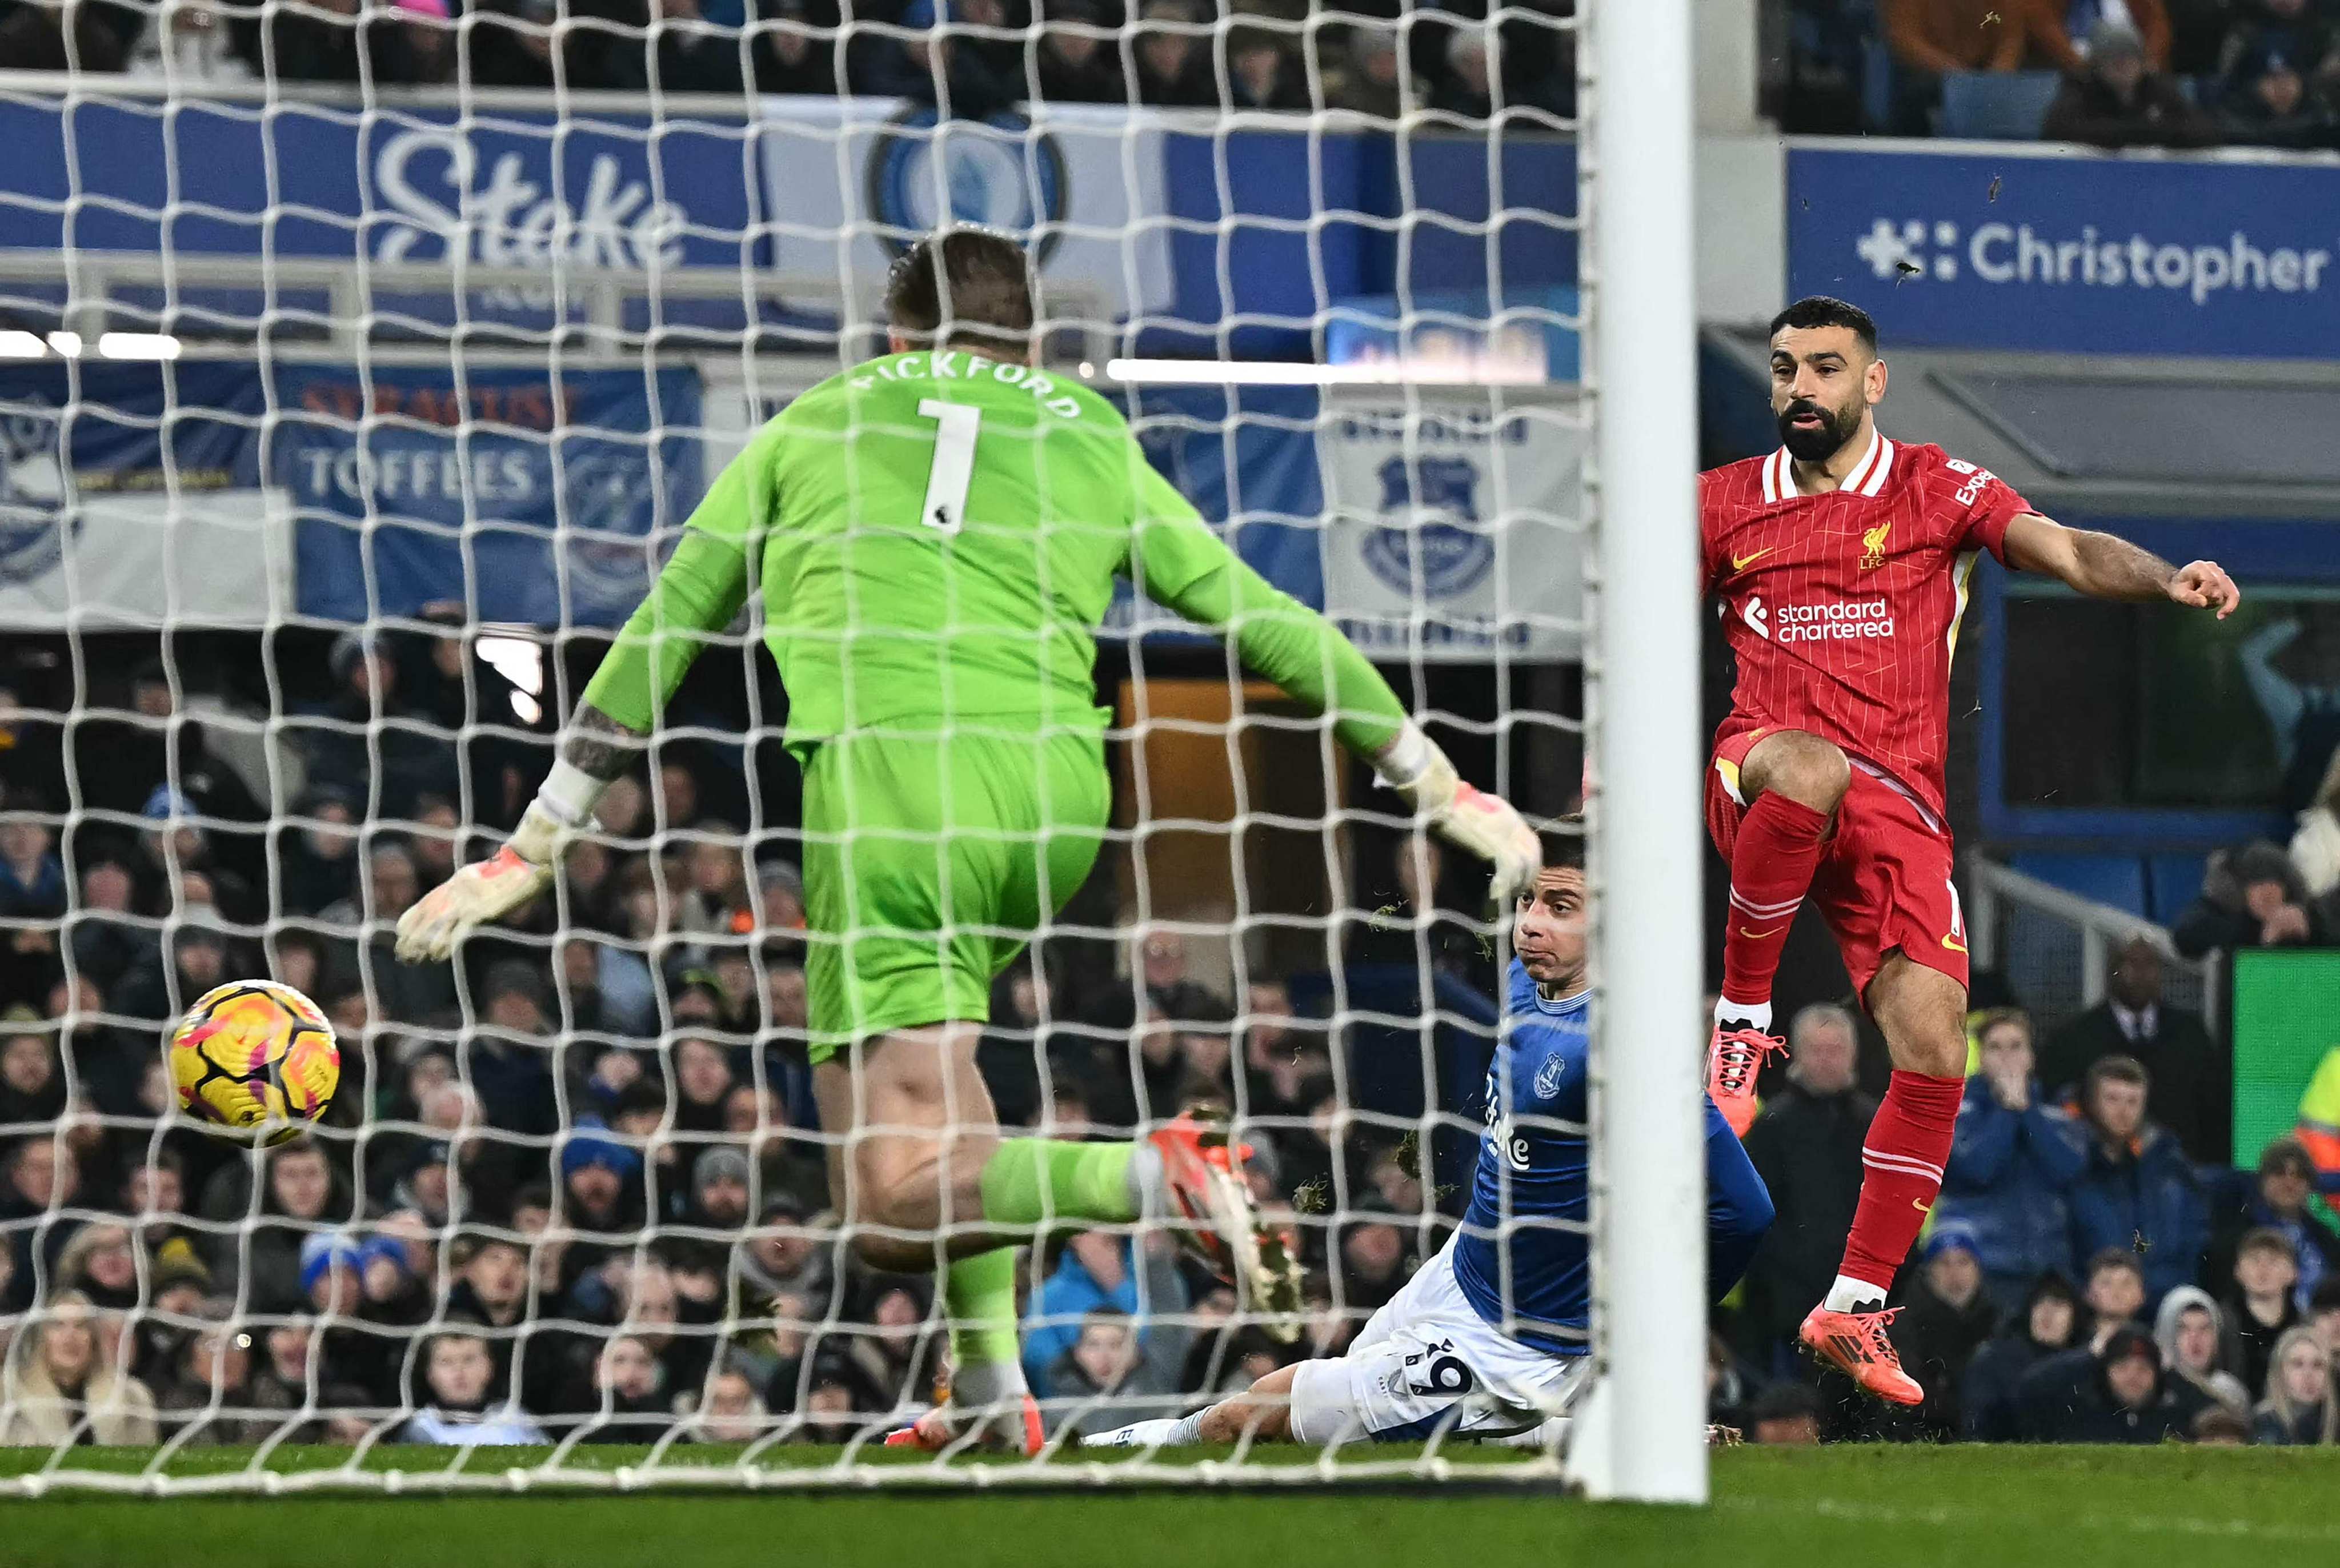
x: 1732, y: 1062
x: 1204, y: 1174
x: 1855, y: 1344
x: 1017, y: 1430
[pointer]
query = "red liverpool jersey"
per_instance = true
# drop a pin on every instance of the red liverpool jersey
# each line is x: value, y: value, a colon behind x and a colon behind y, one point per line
x: 1843, y: 608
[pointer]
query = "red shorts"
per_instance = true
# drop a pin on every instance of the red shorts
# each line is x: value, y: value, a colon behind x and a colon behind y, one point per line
x: 1884, y: 879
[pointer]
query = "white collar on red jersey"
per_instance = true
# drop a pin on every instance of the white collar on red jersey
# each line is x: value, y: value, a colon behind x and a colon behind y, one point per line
x: 1866, y: 478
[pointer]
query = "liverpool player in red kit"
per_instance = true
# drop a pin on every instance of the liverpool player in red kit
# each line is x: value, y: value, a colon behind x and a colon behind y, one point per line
x: 1841, y: 562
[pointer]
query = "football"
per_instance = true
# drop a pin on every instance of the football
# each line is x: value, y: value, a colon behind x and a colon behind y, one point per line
x: 255, y: 1061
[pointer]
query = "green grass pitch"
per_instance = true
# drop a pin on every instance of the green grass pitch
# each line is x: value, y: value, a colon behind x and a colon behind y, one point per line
x: 1907, y: 1507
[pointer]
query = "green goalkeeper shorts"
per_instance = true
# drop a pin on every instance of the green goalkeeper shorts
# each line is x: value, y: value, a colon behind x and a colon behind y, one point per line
x: 928, y: 864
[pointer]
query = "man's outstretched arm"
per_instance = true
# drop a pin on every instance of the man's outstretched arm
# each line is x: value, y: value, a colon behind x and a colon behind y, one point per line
x: 2105, y: 567
x: 698, y: 592
x: 1180, y: 562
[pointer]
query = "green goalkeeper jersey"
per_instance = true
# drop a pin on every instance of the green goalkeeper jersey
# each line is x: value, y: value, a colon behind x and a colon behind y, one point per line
x: 937, y: 535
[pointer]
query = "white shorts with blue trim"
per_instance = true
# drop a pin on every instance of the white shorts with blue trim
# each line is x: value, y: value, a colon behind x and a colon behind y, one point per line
x: 1427, y: 1365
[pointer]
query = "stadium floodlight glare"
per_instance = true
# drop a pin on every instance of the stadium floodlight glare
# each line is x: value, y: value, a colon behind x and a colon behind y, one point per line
x: 137, y: 346
x: 1438, y: 497
x: 1298, y: 374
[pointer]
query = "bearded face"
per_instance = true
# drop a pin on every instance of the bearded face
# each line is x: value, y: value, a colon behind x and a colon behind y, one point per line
x: 1823, y: 379
x: 1812, y: 431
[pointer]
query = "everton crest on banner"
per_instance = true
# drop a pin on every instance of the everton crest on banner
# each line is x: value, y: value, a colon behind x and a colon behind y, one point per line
x: 1084, y: 183
x: 1453, y: 529
x: 129, y: 496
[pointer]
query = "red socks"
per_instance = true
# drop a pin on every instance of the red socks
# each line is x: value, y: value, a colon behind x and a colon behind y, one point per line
x: 1772, y: 866
x: 1901, y: 1171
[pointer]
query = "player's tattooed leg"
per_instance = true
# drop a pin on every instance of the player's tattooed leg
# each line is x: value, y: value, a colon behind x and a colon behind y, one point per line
x: 597, y: 745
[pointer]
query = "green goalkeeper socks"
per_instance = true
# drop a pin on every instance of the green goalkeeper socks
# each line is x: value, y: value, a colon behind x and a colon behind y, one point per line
x: 1028, y: 1181
x: 980, y: 1292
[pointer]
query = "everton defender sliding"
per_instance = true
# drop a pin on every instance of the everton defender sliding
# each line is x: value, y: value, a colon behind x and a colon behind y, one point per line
x: 1488, y: 1339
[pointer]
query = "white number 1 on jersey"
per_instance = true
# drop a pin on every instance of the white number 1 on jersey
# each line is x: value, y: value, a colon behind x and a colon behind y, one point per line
x: 957, y: 426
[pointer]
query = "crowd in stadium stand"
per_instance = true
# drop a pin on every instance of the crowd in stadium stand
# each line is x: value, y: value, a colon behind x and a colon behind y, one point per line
x: 578, y: 1183
x: 2104, y: 73
x: 975, y: 58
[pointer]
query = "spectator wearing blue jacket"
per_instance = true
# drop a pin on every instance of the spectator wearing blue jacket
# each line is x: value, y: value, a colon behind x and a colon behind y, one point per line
x: 1102, y: 1269
x: 2140, y: 1192
x: 2013, y: 1161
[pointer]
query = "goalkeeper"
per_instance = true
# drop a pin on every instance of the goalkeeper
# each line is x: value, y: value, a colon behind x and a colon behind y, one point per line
x: 937, y: 534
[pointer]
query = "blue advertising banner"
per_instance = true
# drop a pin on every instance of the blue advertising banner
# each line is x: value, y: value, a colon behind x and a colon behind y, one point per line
x: 114, y: 425
x: 2021, y: 248
x: 403, y: 487
x: 1238, y: 238
x: 535, y: 500
x: 211, y: 492
x: 314, y: 179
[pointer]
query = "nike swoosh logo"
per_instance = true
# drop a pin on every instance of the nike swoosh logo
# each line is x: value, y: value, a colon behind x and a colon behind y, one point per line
x: 1954, y: 945
x: 1921, y: 1206
x: 1742, y: 562
x: 1758, y: 936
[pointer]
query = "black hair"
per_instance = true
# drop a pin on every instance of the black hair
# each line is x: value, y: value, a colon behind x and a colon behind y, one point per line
x: 539, y: 1195
x: 1563, y: 838
x: 2114, y: 1258
x: 301, y: 937
x: 2051, y: 1282
x: 964, y: 285
x: 2130, y: 1339
x: 467, y: 1247
x: 641, y: 1094
x: 1821, y: 311
x: 455, y: 1325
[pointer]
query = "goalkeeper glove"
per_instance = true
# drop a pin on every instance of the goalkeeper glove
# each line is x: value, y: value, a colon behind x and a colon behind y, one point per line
x: 1466, y: 817
x: 437, y: 923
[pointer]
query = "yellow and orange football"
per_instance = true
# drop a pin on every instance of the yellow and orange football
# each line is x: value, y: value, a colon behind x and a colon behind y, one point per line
x: 255, y: 1061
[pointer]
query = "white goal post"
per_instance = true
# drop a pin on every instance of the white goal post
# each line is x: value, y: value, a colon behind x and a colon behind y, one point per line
x: 1647, y: 1439
x: 296, y: 378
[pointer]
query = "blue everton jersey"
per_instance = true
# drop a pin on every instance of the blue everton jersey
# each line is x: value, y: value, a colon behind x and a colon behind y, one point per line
x: 1523, y: 1257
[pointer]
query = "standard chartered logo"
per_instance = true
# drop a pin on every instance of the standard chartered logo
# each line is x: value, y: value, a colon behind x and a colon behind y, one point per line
x: 1831, y: 620
x: 2017, y: 254
x: 1828, y: 620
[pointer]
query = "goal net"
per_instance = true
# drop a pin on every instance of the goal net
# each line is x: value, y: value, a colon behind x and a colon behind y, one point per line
x: 358, y: 370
